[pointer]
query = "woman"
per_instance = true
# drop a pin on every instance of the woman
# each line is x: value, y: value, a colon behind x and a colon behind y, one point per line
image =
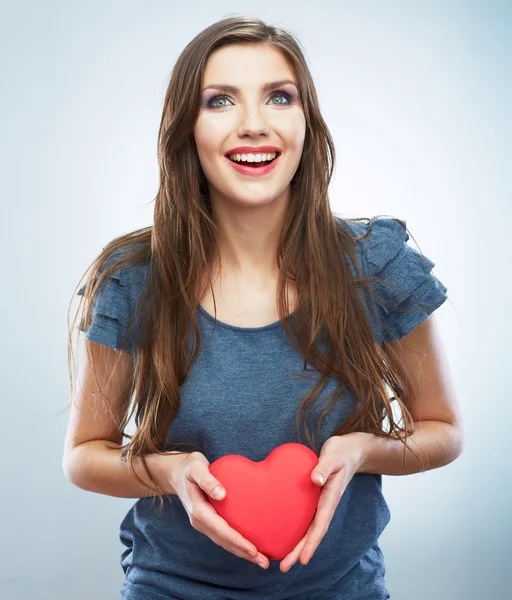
x: 247, y: 315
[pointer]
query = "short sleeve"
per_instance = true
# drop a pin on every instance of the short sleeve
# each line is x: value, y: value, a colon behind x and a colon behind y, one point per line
x: 410, y: 292
x: 113, y: 305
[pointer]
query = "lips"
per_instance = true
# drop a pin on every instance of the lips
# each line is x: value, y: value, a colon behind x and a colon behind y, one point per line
x: 253, y: 150
x: 254, y: 171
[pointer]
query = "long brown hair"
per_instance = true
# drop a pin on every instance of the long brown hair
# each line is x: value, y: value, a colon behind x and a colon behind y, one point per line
x: 180, y: 249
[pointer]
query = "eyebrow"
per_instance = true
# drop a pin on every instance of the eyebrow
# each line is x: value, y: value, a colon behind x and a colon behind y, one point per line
x: 234, y: 90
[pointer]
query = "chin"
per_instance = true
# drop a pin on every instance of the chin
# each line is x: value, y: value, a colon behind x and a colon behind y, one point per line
x: 256, y: 200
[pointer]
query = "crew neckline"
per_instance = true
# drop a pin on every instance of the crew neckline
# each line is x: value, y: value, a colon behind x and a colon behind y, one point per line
x: 270, y: 326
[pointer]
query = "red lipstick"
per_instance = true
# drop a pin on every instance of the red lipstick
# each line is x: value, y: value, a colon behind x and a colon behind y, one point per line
x: 253, y: 170
x: 253, y: 150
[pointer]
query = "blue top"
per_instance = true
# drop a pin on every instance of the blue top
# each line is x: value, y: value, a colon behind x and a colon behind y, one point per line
x: 228, y: 406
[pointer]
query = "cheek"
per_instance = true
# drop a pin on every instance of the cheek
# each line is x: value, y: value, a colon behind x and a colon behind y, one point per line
x: 299, y: 130
x: 293, y: 132
x: 203, y: 141
x: 210, y: 134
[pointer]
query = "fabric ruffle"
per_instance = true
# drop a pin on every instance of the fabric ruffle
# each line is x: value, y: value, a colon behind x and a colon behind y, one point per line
x: 411, y: 292
x: 113, y: 305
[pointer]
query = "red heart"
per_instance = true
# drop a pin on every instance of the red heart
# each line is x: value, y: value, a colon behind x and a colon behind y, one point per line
x: 272, y: 502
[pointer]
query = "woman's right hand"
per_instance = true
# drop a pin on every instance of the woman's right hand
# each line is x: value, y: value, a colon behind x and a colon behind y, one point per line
x: 193, y: 482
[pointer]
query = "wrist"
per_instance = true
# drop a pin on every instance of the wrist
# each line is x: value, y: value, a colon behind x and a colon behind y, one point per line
x: 161, y: 467
x: 365, y: 443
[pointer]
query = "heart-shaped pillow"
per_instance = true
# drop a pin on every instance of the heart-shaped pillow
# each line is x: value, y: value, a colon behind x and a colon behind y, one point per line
x: 272, y: 502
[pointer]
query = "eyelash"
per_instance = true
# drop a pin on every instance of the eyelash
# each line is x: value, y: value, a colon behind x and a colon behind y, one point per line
x: 277, y: 93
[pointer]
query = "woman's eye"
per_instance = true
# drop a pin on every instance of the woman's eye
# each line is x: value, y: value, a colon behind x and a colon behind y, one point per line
x: 211, y: 102
x: 214, y: 99
x: 283, y: 95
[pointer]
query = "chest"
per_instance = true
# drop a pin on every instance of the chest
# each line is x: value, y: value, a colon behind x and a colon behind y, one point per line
x: 243, y: 394
x: 249, y: 305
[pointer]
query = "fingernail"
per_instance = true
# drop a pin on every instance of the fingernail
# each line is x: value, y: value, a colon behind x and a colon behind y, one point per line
x: 320, y: 478
x: 218, y: 493
x: 262, y: 564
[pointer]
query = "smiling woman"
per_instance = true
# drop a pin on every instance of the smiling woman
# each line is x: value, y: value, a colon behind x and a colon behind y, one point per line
x: 251, y: 79
x: 315, y: 323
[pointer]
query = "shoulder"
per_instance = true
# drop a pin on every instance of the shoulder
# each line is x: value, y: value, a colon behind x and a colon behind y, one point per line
x: 405, y: 290
x: 378, y: 240
x: 133, y: 267
x: 118, y: 296
x: 130, y: 269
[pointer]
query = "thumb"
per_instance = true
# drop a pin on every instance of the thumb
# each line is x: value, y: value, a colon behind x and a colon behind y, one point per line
x: 320, y: 474
x: 213, y: 488
x: 216, y: 491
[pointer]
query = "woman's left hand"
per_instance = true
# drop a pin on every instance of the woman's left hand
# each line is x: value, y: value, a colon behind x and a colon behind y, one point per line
x: 340, y: 459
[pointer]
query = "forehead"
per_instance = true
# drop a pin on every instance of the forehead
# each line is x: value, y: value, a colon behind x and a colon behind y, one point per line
x: 239, y: 63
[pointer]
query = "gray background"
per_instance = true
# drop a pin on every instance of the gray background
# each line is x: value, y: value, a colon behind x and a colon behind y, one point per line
x: 417, y: 96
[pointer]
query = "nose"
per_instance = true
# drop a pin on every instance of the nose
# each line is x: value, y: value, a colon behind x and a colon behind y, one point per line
x: 252, y: 122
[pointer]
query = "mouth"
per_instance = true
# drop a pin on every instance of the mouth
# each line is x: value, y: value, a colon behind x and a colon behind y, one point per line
x: 254, y: 168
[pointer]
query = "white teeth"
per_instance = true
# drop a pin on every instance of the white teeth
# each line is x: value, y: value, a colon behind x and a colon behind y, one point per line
x: 252, y: 157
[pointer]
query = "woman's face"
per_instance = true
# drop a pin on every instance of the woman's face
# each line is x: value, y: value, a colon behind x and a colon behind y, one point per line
x: 249, y: 115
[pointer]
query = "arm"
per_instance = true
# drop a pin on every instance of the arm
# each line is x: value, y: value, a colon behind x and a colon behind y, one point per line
x: 96, y: 466
x: 437, y: 434
x: 440, y: 442
x: 93, y: 445
x: 434, y: 407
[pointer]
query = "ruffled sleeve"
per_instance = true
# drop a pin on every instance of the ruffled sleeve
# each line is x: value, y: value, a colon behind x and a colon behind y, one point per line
x: 410, y: 292
x: 113, y: 305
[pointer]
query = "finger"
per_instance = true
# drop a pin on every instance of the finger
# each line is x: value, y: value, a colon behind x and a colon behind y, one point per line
x: 206, y: 520
x: 327, y: 504
x: 211, y: 486
x: 289, y: 560
x: 233, y: 541
x: 199, y: 473
x: 320, y: 475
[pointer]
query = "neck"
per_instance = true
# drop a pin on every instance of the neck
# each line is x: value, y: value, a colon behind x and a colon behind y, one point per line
x: 248, y: 239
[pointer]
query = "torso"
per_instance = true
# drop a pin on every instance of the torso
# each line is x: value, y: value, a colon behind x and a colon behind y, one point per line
x: 242, y: 305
